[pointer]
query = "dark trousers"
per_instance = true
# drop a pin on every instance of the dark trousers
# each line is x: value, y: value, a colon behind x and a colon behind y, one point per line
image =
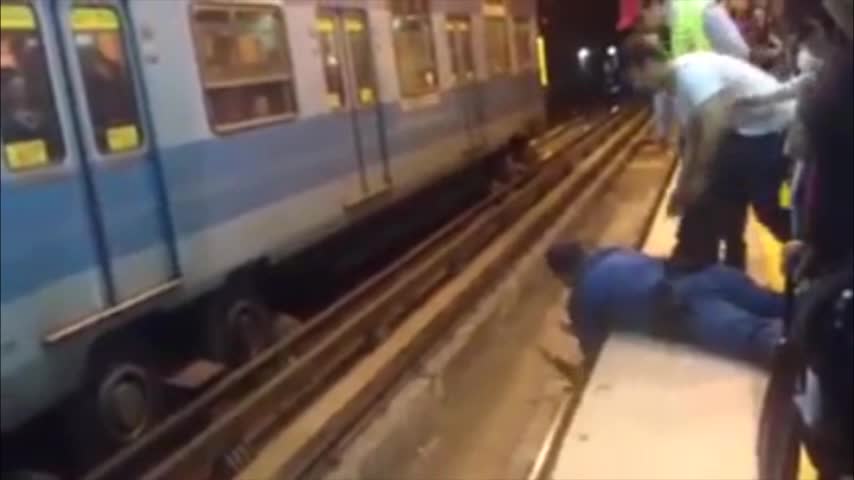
x: 747, y: 171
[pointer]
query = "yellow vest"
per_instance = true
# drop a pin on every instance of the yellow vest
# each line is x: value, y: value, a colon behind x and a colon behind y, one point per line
x: 686, y: 27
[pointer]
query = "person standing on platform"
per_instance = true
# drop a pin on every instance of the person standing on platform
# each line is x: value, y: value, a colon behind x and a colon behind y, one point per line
x: 735, y: 29
x: 719, y: 309
x: 727, y: 37
x: 687, y: 34
x: 690, y: 23
x: 766, y: 47
x: 729, y: 161
x: 723, y: 32
x: 723, y: 26
x: 795, y: 148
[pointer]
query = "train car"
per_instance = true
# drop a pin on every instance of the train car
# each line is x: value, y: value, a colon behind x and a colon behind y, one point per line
x: 158, y: 153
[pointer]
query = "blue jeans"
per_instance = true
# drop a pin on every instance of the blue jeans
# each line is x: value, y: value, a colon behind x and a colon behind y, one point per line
x: 719, y: 309
x: 727, y: 313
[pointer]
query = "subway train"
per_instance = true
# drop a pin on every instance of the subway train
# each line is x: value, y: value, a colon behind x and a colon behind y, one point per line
x: 157, y: 154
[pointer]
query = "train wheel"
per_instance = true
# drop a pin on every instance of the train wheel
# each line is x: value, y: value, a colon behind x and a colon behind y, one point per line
x: 120, y: 401
x: 238, y: 327
x: 125, y: 402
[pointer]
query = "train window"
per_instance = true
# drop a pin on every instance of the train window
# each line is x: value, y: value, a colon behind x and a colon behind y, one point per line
x: 327, y: 31
x: 497, y: 45
x: 245, y: 64
x: 359, y: 41
x: 462, y: 54
x: 32, y: 137
x: 413, y: 46
x: 523, y: 35
x: 99, y: 39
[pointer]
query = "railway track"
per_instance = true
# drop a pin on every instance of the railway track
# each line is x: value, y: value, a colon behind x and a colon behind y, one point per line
x: 314, y: 442
x: 218, y: 432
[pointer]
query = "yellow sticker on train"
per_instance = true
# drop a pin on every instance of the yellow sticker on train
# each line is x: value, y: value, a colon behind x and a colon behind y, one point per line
x: 249, y: 49
x: 334, y: 100
x: 457, y: 26
x: 122, y: 139
x: 88, y: 19
x: 17, y: 17
x: 325, y: 25
x: 354, y: 25
x: 27, y: 154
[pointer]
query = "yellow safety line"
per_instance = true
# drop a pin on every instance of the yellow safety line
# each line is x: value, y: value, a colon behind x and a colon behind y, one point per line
x: 773, y: 253
x: 808, y: 471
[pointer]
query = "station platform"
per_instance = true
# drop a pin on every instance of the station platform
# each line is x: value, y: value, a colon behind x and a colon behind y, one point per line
x: 652, y: 409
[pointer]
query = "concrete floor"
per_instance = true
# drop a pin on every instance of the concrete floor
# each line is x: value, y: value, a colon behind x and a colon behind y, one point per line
x: 498, y: 407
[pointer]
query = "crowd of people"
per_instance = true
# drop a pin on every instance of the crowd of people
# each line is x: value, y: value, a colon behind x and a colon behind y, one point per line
x: 765, y: 122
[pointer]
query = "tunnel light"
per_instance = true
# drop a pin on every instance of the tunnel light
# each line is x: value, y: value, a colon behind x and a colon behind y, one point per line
x: 583, y: 54
x: 612, y: 50
x: 541, y: 60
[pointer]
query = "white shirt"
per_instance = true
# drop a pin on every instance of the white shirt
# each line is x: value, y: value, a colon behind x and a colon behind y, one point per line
x: 807, y: 62
x: 792, y: 88
x: 723, y: 33
x: 702, y: 75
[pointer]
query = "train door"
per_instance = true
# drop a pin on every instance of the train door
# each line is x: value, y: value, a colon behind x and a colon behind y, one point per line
x: 350, y: 70
x: 464, y: 73
x: 49, y: 240
x: 117, y: 155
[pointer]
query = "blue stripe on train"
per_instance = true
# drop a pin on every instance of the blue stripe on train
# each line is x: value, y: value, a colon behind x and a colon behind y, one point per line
x: 209, y: 182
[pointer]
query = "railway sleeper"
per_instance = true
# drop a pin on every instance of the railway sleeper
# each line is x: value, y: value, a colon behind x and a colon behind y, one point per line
x: 232, y: 461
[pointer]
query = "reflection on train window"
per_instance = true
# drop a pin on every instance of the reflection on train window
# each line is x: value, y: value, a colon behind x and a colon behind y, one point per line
x: 460, y: 42
x: 497, y: 46
x: 413, y: 46
x: 333, y: 60
x: 523, y: 35
x: 99, y: 39
x: 32, y: 137
x: 359, y: 42
x: 246, y: 67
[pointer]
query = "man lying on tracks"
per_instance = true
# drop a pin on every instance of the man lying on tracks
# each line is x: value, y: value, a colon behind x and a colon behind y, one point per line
x: 718, y: 308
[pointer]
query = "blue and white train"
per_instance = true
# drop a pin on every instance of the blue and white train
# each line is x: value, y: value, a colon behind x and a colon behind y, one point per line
x: 157, y: 151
